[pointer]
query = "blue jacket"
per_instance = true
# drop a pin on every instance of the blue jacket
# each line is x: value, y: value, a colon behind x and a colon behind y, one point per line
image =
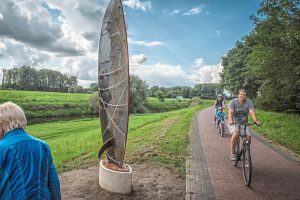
x: 220, y: 115
x: 26, y: 168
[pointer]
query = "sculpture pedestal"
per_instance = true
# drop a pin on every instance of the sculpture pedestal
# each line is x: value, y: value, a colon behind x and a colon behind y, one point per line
x: 115, y: 180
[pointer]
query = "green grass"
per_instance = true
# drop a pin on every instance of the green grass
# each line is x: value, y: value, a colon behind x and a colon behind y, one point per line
x: 47, y: 104
x: 158, y: 138
x: 153, y: 105
x: 283, y: 129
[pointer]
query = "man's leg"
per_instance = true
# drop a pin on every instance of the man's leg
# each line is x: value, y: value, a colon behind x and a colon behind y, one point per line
x: 233, y: 141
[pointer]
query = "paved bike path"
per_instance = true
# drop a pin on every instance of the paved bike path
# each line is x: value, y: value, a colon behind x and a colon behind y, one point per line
x: 274, y: 175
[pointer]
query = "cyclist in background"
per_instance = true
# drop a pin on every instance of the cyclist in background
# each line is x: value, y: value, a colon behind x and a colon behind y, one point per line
x: 220, y: 116
x: 219, y: 102
x: 238, y: 110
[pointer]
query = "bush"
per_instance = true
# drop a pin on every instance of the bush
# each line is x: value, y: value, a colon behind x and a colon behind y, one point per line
x: 94, y: 103
x: 196, y: 101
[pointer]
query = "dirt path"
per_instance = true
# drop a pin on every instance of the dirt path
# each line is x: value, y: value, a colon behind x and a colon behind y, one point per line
x: 149, y: 182
x: 274, y: 176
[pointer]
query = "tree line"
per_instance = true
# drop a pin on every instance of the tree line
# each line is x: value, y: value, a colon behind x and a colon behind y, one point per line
x: 266, y: 62
x: 28, y: 78
x: 204, y: 90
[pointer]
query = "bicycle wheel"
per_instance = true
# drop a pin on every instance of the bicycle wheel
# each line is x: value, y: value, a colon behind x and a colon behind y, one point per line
x: 237, y: 151
x: 222, y: 129
x: 247, y: 166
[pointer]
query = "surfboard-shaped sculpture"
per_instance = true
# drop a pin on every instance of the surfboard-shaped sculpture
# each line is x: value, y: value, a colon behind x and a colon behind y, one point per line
x: 113, y: 83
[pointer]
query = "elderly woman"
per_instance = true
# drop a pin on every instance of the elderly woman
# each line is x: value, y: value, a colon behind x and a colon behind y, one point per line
x: 26, y: 167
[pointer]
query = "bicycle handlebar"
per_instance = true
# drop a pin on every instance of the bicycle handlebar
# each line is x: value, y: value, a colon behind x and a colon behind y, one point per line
x: 248, y: 124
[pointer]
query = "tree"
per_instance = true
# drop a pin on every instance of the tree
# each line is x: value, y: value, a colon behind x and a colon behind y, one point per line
x: 93, y: 87
x: 276, y: 54
x: 138, y: 94
x: 267, y: 61
x: 160, y: 95
x: 153, y: 90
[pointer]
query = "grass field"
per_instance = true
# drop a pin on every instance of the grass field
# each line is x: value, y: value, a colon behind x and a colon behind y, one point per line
x: 38, y: 104
x: 47, y: 104
x: 283, y: 129
x: 160, y: 138
x: 153, y: 105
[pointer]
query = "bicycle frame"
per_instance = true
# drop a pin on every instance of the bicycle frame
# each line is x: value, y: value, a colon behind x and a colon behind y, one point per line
x: 221, y: 127
x: 245, y: 145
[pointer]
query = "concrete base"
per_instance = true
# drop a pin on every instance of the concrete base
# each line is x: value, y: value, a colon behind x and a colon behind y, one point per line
x: 115, y: 181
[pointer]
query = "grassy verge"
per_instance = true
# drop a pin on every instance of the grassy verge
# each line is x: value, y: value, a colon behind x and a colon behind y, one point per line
x: 153, y: 105
x: 158, y: 138
x: 283, y: 129
x: 47, y: 104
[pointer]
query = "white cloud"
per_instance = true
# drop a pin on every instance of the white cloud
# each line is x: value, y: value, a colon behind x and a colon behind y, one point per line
x: 203, y: 73
x: 218, y: 33
x: 2, y: 45
x: 174, y: 12
x: 161, y: 74
x: 138, y: 5
x: 199, y: 62
x: 81, y: 67
x: 194, y: 11
x: 143, y: 43
x: 137, y: 59
x: 1, y: 16
x: 169, y: 75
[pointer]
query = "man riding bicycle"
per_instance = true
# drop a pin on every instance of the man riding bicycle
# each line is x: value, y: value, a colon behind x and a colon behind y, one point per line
x: 239, y: 108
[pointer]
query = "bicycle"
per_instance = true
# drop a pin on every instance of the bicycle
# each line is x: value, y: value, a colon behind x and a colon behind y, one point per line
x: 242, y: 152
x: 221, y: 127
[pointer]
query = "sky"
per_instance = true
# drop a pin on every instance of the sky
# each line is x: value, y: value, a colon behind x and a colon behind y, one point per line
x: 170, y: 42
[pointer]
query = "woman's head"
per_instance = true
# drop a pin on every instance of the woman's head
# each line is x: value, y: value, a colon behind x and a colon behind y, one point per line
x: 11, y: 117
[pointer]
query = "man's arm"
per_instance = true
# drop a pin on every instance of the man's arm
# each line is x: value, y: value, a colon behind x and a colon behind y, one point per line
x: 254, y: 117
x: 230, y: 115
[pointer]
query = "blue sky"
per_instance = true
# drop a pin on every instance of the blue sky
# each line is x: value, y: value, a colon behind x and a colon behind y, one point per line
x: 171, y: 42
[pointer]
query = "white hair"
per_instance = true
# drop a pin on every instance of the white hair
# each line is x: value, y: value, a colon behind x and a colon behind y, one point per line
x: 11, y: 117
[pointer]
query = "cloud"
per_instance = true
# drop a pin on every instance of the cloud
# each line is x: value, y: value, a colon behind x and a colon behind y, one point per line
x: 193, y: 11
x: 161, y: 74
x: 89, y: 10
x: 93, y: 37
x: 137, y: 59
x: 37, y: 30
x: 199, y: 62
x: 203, y: 73
x: 138, y: 5
x: 143, y: 43
x: 18, y: 54
x: 218, y: 33
x: 174, y: 12
x: 82, y: 68
x: 169, y: 75
x: 56, y: 32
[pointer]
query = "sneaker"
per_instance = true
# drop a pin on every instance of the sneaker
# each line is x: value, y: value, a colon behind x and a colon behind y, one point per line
x: 232, y: 157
